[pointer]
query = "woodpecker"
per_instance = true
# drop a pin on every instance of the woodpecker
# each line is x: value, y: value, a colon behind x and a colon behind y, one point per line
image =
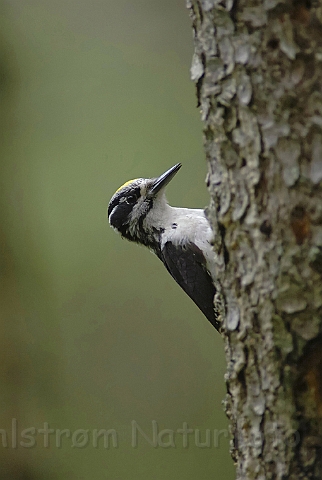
x: 180, y: 237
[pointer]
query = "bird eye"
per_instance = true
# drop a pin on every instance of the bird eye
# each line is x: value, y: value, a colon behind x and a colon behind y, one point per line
x: 131, y: 199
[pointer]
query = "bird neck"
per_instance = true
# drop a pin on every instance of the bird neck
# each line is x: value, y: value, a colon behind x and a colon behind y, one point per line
x: 147, y: 229
x: 158, y: 214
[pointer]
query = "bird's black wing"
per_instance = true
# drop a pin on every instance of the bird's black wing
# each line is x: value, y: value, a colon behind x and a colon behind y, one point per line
x: 187, y: 266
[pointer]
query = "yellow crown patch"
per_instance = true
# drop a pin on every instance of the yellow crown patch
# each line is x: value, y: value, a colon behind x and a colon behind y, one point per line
x: 125, y: 184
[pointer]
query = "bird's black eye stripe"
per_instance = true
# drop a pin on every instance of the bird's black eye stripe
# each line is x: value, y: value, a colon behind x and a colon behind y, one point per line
x: 131, y: 199
x: 132, y: 195
x: 128, y: 196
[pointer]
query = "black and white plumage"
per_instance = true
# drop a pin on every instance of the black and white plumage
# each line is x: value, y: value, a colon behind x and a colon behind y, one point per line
x: 180, y: 237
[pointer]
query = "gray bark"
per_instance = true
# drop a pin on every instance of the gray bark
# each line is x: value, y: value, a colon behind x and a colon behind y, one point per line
x: 257, y: 66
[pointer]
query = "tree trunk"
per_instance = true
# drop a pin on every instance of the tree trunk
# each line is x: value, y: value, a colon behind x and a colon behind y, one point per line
x: 258, y: 70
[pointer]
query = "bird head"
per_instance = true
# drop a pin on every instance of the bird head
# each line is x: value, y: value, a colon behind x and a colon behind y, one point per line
x: 133, y: 201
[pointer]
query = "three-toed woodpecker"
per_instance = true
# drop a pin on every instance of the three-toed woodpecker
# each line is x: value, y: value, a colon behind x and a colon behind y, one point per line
x: 180, y: 237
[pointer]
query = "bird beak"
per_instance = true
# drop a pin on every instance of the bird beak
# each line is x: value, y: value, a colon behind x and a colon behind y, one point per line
x: 164, y: 179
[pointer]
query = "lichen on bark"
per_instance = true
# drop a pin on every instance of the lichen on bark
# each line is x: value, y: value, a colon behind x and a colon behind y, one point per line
x: 258, y: 71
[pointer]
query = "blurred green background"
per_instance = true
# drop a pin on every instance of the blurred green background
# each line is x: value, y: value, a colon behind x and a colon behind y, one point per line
x: 95, y: 333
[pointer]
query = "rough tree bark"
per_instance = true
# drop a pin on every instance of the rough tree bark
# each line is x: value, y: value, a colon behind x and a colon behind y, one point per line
x: 258, y: 69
